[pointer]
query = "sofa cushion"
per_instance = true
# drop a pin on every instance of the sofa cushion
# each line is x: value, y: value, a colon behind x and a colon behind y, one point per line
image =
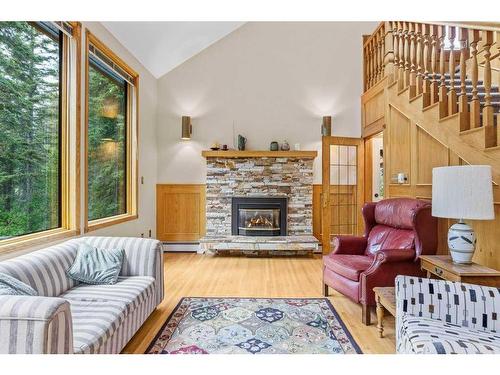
x: 429, y: 336
x: 96, y: 266
x: 98, y: 310
x: 349, y: 266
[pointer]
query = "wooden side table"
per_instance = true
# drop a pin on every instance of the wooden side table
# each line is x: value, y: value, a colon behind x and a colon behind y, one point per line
x: 386, y: 299
x: 441, y: 266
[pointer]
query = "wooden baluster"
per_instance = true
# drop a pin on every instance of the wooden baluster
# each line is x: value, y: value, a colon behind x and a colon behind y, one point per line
x: 463, y: 108
x: 475, y: 111
x: 406, y: 33
x: 376, y: 58
x: 452, y: 93
x: 443, y: 97
x: 371, y: 61
x: 401, y: 73
x: 413, y: 60
x: 395, y: 35
x: 489, y: 129
x: 368, y: 65
x: 434, y: 65
x: 388, y: 52
x: 426, y: 83
x: 381, y: 54
x: 420, y: 58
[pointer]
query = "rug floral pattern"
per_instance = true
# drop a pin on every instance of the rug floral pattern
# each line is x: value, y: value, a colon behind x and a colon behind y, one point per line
x: 254, y: 326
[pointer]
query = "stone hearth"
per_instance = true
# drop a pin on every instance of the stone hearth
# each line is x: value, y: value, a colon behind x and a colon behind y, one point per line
x: 289, y: 177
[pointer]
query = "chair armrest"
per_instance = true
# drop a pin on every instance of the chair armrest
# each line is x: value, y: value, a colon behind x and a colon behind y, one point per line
x: 35, y: 325
x: 352, y: 245
x: 394, y: 255
x: 469, y: 305
x: 143, y: 257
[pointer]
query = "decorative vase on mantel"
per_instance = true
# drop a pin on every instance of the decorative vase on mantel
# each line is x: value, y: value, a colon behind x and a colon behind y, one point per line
x: 285, y: 146
x: 241, y: 142
x: 274, y: 146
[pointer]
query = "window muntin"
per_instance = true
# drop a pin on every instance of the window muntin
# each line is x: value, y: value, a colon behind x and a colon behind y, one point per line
x: 107, y: 142
x: 30, y: 128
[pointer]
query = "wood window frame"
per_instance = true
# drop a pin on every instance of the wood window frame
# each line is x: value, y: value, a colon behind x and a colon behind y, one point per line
x: 132, y: 139
x: 70, y: 153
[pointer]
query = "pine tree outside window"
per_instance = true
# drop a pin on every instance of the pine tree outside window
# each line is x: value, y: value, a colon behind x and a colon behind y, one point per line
x: 37, y: 65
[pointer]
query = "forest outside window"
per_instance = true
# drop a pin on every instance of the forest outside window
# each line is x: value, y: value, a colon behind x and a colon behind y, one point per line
x: 111, y: 138
x: 36, y: 123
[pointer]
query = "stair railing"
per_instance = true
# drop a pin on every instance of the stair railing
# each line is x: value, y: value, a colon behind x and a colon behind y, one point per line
x: 449, y: 65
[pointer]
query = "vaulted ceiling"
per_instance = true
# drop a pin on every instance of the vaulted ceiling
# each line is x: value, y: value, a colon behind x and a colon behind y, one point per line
x: 161, y: 46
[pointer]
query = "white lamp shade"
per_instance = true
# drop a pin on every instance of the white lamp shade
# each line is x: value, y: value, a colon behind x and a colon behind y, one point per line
x: 463, y: 192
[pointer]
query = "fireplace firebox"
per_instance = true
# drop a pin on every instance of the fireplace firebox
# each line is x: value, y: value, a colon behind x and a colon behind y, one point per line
x: 259, y: 216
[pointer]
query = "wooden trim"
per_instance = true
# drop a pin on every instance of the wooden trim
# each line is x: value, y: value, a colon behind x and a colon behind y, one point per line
x: 259, y: 154
x: 35, y: 239
x: 109, y: 221
x: 132, y: 156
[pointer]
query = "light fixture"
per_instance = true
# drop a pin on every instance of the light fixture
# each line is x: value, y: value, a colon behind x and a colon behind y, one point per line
x: 462, y: 192
x: 187, y: 128
x: 326, y: 126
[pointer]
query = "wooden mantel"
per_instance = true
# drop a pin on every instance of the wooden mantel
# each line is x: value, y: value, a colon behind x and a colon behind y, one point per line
x: 260, y: 154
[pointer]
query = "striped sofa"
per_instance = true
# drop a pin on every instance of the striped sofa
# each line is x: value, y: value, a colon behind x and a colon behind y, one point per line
x: 443, y: 317
x: 70, y: 317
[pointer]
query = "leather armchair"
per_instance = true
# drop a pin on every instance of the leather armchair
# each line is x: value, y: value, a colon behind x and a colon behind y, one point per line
x: 397, y: 232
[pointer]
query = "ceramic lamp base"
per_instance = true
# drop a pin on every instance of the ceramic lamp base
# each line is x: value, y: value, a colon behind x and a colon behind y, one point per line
x: 461, y: 243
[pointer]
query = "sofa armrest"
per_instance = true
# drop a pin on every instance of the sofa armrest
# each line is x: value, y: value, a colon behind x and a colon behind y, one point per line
x: 143, y: 257
x: 35, y: 325
x: 467, y: 305
x: 352, y: 245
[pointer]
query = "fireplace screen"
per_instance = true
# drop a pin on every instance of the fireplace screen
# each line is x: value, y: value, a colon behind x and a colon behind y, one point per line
x: 251, y: 220
x: 256, y: 216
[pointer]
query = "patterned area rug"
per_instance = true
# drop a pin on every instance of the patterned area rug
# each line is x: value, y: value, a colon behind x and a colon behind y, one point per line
x: 254, y: 326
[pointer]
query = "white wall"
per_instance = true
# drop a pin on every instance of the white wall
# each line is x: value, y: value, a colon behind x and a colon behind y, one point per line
x: 274, y: 81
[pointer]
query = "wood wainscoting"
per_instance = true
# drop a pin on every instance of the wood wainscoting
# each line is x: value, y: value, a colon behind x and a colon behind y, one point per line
x: 409, y: 149
x: 180, y: 212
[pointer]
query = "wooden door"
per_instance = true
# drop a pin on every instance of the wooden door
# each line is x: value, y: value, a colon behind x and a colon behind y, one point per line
x: 343, y: 187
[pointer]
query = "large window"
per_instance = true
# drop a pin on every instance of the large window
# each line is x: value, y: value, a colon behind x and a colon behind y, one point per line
x: 107, y: 143
x: 30, y: 128
x: 39, y: 132
x: 111, y: 131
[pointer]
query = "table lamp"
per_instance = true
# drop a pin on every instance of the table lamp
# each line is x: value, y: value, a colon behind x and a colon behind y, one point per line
x: 462, y: 192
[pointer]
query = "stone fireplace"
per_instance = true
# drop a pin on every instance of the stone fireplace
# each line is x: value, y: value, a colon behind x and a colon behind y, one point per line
x: 261, y: 175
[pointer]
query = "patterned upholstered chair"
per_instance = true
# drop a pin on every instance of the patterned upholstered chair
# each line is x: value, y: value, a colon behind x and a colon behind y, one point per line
x: 397, y: 232
x: 443, y: 317
x: 71, y: 317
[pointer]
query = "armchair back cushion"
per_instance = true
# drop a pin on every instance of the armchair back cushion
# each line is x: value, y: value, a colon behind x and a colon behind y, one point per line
x: 383, y: 237
x: 400, y: 223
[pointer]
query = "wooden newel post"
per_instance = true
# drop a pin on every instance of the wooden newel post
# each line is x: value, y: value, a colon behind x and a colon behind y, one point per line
x: 325, y: 190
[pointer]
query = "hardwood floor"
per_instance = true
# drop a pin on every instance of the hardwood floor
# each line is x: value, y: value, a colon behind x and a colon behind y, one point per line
x: 193, y: 275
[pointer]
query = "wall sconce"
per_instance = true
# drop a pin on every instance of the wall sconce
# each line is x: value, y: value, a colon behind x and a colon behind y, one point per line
x: 187, y: 128
x: 326, y: 126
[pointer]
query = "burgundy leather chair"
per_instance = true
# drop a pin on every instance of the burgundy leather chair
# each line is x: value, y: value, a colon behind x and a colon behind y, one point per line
x: 397, y: 232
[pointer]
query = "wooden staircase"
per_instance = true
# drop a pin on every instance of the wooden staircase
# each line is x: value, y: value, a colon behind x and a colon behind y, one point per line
x: 446, y: 79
